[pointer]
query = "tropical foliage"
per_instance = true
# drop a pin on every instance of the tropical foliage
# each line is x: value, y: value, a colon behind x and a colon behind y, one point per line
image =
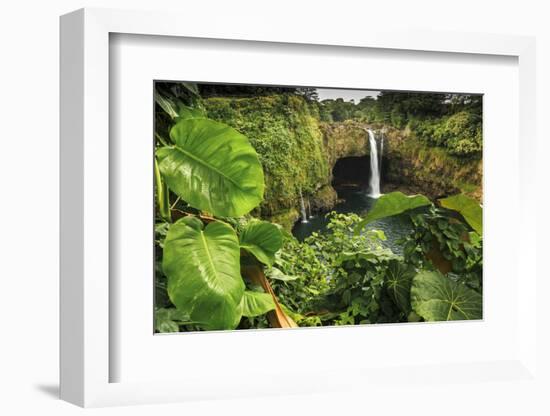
x: 358, y: 280
x: 221, y: 266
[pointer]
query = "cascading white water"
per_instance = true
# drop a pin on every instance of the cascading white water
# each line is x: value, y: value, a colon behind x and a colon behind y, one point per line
x: 309, y: 215
x: 374, y: 183
x: 303, y: 208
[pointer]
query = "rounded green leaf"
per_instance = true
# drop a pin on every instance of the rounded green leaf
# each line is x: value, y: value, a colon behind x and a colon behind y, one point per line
x: 203, y: 269
x: 435, y: 297
x: 212, y: 167
x: 256, y: 303
x: 468, y: 207
x: 391, y: 204
x: 262, y: 239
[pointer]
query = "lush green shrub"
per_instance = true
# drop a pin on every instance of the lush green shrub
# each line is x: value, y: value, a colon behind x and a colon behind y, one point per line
x: 445, y: 239
x: 335, y: 277
x: 460, y: 133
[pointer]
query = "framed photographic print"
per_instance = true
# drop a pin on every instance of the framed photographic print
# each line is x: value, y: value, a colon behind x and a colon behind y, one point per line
x: 233, y: 207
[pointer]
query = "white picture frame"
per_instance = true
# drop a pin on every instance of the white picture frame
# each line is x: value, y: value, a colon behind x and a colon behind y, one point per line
x: 87, y: 356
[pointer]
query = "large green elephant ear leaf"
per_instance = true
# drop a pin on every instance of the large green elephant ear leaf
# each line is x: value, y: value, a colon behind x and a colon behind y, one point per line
x: 203, y: 270
x: 398, y: 284
x: 262, y: 239
x: 468, y: 207
x: 435, y: 297
x: 212, y: 167
x: 256, y: 303
x: 391, y: 204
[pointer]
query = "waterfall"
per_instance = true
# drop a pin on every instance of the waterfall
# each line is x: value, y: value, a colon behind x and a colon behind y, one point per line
x: 374, y: 183
x: 303, y: 208
x: 309, y: 209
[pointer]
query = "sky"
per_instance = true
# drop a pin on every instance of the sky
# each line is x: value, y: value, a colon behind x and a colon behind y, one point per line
x: 347, y: 95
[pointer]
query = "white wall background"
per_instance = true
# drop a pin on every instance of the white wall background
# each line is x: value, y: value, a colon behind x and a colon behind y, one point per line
x: 29, y: 193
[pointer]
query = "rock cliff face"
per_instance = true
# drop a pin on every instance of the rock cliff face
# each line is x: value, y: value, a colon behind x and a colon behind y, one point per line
x: 340, y: 140
x: 413, y: 167
x: 344, y: 140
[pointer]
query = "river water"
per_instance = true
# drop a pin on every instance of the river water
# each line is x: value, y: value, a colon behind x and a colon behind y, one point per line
x: 358, y: 201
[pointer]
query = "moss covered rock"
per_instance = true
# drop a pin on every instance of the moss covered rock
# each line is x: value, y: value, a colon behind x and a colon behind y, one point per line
x: 345, y: 139
x: 285, y: 132
x: 286, y: 218
x: 412, y: 165
x: 323, y: 199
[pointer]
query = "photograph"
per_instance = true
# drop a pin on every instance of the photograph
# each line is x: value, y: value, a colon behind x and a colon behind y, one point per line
x: 301, y: 206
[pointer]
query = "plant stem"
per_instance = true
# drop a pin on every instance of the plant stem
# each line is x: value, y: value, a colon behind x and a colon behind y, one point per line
x: 162, y: 195
x: 160, y: 139
x: 175, y: 202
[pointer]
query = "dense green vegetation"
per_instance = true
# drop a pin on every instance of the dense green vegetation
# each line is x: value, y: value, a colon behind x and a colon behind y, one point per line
x: 346, y: 276
x: 224, y: 167
x: 450, y: 121
x: 298, y: 140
